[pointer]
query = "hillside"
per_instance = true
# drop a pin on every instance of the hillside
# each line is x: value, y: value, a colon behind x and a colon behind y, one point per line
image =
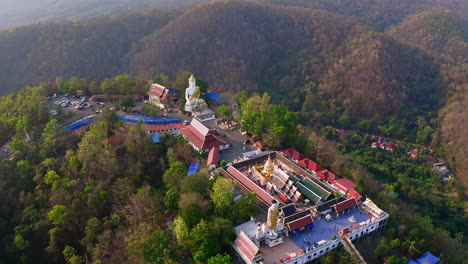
x: 377, y: 13
x: 439, y: 31
x: 22, y: 12
x: 444, y: 35
x: 246, y: 46
x: 92, y: 49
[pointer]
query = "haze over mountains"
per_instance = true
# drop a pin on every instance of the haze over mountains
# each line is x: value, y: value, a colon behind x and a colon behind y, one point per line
x: 366, y: 59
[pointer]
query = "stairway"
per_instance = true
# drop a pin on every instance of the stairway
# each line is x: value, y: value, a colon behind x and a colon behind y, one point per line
x: 352, y: 249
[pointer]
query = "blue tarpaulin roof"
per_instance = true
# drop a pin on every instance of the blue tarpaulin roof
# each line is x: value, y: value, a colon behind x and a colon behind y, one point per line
x: 80, y: 123
x: 150, y: 121
x: 126, y: 118
x: 193, y: 168
x: 174, y: 91
x: 212, y: 96
x: 429, y: 257
x: 156, y: 138
x: 412, y: 261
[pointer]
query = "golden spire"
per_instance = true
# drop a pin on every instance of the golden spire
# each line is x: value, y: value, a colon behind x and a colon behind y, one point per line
x: 192, y: 79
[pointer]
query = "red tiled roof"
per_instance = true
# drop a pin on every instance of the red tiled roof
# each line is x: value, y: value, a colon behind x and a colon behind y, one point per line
x: 213, y: 156
x: 344, y: 184
x: 328, y: 176
x: 246, y: 246
x: 165, y: 127
x: 391, y: 145
x: 414, y: 154
x: 283, y: 197
x: 311, y: 165
x: 340, y: 207
x: 250, y: 185
x: 432, y: 159
x: 294, y: 154
x: 261, y: 144
x: 202, y: 137
x: 375, y: 143
x: 301, y: 222
x: 354, y: 194
x: 115, y: 140
x: 158, y: 91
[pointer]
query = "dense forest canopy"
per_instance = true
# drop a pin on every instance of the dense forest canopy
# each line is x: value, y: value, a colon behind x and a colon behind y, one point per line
x: 22, y: 12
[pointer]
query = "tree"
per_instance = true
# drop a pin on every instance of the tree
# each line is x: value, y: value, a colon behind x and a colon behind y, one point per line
x: 171, y: 199
x: 225, y: 111
x: 192, y: 214
x: 174, y: 175
x: 157, y: 248
x: 181, y: 230
x: 223, y: 194
x: 246, y: 206
x: 59, y: 214
x: 126, y: 102
x: 220, y: 259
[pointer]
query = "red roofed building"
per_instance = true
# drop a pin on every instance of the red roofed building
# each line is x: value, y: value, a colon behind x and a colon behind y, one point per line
x: 340, y: 207
x: 294, y: 154
x: 327, y: 176
x: 163, y: 129
x: 299, y: 223
x: 432, y: 159
x: 354, y: 194
x: 390, y: 147
x: 116, y: 140
x: 311, y: 165
x: 213, y: 157
x: 244, y: 180
x: 414, y: 154
x: 247, y: 248
x: 374, y: 144
x: 344, y: 185
x: 261, y: 145
x: 203, y: 138
x: 157, y: 93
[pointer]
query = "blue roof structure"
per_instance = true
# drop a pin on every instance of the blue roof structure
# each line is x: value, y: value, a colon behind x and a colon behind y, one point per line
x: 193, y: 168
x: 212, y: 96
x: 149, y: 121
x: 412, y: 261
x: 174, y: 91
x: 156, y: 138
x: 80, y: 123
x: 429, y: 257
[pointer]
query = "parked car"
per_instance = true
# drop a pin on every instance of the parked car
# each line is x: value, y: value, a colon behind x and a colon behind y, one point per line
x: 186, y: 122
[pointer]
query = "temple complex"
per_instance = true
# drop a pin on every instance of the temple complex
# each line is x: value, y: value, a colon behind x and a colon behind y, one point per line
x: 311, y: 211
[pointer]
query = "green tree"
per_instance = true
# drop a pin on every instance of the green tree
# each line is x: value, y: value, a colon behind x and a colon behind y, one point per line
x: 220, y: 259
x: 174, y: 175
x: 59, y: 214
x: 223, y: 193
x: 171, y: 199
x: 126, y: 102
x: 246, y: 206
x: 225, y: 111
x: 157, y: 248
x: 192, y: 214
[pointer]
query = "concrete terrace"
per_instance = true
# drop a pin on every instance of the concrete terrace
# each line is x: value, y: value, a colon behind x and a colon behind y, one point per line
x: 324, y: 230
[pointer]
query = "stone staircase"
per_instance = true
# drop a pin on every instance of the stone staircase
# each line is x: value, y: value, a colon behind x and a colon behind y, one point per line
x: 348, y: 244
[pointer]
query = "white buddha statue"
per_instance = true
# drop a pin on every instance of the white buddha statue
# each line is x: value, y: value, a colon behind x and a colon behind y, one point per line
x: 192, y: 94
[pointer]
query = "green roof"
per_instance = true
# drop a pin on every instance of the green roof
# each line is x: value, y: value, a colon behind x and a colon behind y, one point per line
x: 317, y: 189
x: 308, y: 193
x: 293, y: 178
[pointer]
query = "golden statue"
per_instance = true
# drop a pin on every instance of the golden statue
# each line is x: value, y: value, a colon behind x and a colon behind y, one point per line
x: 273, y: 215
x: 192, y: 92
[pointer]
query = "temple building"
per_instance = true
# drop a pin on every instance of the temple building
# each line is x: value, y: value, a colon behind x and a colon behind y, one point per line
x: 157, y: 95
x: 306, y: 218
x: 203, y: 138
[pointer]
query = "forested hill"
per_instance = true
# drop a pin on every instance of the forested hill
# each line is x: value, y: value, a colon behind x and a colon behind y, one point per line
x: 93, y: 48
x: 444, y: 35
x: 295, y: 52
x: 377, y: 13
x: 22, y: 12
